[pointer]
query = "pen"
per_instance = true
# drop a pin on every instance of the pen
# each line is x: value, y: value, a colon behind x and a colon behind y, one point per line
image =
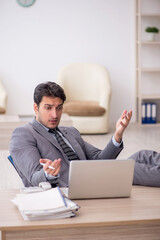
x: 43, y: 164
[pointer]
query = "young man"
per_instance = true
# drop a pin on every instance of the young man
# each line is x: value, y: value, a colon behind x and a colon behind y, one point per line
x: 37, y: 142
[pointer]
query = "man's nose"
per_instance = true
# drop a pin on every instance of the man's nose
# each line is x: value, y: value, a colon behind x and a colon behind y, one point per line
x: 54, y: 112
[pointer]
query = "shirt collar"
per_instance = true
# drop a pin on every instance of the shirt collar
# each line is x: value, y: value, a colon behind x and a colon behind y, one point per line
x: 47, y: 129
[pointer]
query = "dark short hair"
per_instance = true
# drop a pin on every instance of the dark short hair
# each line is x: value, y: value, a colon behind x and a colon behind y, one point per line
x: 48, y: 89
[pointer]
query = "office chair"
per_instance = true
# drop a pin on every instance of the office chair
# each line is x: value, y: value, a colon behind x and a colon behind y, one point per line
x: 11, y: 161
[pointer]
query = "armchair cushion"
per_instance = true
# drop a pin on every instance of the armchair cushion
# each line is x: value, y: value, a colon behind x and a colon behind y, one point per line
x: 83, y: 108
x: 2, y: 110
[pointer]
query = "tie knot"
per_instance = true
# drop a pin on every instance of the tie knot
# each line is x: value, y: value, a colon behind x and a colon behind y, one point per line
x: 55, y: 131
x: 52, y: 130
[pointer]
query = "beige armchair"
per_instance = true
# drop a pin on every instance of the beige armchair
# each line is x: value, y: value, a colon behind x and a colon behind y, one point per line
x: 88, y: 91
x: 3, y: 99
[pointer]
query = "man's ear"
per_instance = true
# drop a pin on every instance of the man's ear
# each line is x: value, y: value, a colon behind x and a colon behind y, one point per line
x: 35, y: 107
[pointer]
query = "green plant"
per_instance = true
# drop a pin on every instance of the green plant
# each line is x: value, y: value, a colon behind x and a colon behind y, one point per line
x: 152, y: 30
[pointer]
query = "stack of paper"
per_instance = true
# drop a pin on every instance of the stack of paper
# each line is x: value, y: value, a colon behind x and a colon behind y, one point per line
x: 48, y: 204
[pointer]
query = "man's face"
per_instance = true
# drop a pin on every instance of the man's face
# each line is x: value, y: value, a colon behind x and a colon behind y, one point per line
x: 49, y: 111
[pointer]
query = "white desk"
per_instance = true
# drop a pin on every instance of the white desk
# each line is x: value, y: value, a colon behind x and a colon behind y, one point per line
x: 137, y: 217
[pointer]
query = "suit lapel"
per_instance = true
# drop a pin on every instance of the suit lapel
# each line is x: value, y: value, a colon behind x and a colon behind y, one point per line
x: 76, y: 146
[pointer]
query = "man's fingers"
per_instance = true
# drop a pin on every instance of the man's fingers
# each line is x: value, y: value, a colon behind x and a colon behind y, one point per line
x: 43, y: 160
x: 127, y: 115
x: 56, y: 164
x: 123, y: 114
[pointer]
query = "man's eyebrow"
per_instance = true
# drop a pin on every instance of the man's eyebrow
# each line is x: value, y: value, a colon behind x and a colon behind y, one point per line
x: 47, y: 104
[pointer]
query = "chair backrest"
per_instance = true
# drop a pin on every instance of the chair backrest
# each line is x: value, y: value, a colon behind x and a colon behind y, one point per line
x: 9, y: 177
x: 85, y: 81
x: 11, y: 161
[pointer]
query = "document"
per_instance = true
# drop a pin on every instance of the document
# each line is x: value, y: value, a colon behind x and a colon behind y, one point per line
x: 46, y: 200
x: 49, y: 204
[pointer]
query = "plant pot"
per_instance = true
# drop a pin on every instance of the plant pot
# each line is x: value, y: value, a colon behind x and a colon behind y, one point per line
x: 151, y: 36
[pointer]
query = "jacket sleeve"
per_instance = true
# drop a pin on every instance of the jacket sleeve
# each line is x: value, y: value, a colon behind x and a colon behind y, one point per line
x: 26, y: 157
x: 91, y: 152
x: 109, y: 152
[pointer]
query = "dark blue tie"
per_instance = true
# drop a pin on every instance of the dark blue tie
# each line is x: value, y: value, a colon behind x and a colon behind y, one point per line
x: 71, y: 155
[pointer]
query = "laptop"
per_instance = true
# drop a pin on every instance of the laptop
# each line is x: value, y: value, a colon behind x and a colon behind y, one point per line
x: 100, y: 179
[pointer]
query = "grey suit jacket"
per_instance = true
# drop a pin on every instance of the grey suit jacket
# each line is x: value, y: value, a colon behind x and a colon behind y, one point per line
x: 31, y: 142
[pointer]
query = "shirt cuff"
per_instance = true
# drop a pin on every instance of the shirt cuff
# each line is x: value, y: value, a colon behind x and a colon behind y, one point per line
x: 51, y: 177
x: 115, y: 142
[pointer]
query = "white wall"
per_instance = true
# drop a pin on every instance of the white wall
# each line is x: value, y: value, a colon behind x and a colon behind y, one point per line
x: 36, y: 42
